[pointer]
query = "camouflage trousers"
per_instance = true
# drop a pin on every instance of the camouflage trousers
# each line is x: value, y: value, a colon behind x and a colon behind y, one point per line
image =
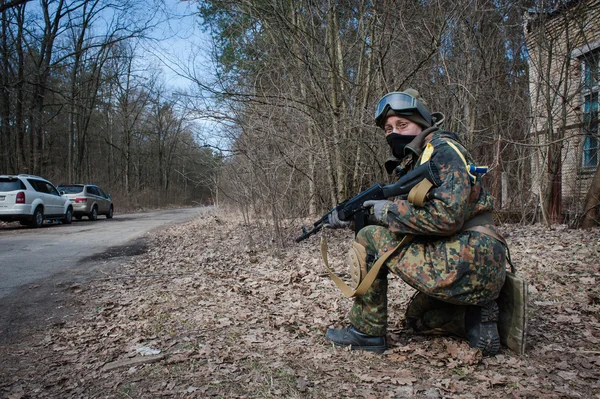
x: 450, y: 272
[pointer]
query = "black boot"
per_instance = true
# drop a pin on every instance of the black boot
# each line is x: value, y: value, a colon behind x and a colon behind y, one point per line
x: 357, y: 340
x: 482, y: 328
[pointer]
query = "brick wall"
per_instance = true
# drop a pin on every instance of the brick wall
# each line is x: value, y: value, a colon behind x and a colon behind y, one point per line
x: 555, y: 43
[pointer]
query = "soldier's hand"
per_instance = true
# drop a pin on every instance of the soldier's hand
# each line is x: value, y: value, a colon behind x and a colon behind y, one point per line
x: 334, y: 221
x: 379, y: 209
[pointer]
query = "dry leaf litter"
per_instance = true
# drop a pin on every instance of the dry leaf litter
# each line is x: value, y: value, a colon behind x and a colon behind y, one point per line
x: 215, y: 310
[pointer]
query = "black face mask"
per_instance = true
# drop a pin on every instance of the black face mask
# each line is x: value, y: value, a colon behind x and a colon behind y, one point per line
x: 397, y: 142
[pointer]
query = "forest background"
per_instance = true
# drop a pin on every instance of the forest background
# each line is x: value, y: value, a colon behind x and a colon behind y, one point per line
x: 277, y: 119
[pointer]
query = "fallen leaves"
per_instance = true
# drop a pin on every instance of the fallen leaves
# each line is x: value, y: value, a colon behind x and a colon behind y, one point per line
x: 212, y: 309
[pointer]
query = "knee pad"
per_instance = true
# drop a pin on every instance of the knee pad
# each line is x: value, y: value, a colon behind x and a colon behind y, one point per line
x: 357, y: 263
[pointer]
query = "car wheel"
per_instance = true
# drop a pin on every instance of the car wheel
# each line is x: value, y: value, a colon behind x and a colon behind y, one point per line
x: 68, y: 216
x: 109, y: 215
x: 38, y: 217
x: 93, y: 214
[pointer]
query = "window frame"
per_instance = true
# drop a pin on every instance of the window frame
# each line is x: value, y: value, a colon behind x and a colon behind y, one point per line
x: 38, y: 185
x: 590, y: 79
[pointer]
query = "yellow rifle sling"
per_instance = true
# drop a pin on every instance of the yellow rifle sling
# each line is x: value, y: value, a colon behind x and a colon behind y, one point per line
x: 418, y: 193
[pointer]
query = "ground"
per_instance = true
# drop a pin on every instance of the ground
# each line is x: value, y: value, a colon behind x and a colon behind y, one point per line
x: 214, y: 309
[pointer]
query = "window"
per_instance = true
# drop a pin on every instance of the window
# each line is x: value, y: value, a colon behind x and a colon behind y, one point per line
x: 43, y: 187
x: 590, y: 130
x: 38, y: 185
x: 590, y: 152
x: 591, y: 80
x: 52, y: 190
x: 591, y: 70
x: 11, y: 184
x: 71, y: 188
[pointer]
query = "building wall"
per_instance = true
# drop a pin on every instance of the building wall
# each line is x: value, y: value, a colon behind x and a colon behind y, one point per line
x: 556, y: 41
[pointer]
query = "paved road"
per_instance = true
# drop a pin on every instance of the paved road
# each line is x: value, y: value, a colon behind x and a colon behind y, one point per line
x: 28, y: 256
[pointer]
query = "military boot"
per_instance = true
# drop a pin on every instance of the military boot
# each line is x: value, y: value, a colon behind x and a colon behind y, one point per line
x: 482, y: 328
x: 357, y: 340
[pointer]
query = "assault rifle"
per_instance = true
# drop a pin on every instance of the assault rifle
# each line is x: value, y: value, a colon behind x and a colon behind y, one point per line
x: 353, y: 209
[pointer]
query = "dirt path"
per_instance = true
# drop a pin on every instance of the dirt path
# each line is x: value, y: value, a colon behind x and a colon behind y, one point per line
x: 55, y: 299
x: 219, y: 313
x: 29, y: 256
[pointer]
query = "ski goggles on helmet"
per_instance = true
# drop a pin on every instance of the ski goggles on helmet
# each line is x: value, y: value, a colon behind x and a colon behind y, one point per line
x: 402, y: 104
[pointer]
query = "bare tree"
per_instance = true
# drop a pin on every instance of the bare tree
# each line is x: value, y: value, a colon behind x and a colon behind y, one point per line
x: 75, y: 105
x: 300, y: 80
x: 556, y: 90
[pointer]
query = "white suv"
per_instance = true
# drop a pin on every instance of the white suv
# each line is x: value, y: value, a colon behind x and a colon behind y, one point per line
x: 31, y: 200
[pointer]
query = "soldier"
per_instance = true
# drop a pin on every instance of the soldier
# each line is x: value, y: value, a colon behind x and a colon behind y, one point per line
x: 455, y: 258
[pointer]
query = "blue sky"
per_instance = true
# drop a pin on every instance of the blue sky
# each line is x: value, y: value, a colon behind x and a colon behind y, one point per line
x: 181, y: 46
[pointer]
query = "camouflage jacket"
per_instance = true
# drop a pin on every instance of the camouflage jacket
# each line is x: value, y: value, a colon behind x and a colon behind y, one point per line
x: 463, y: 267
x: 458, y: 198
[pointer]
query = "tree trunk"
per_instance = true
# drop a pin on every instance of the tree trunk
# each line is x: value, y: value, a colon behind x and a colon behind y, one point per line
x: 592, y: 203
x: 72, y: 119
x: 332, y: 37
x: 39, y: 91
x: 20, y: 149
x: 6, y: 160
x: 363, y: 75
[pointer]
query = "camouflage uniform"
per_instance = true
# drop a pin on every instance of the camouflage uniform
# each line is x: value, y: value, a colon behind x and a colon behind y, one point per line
x: 448, y: 267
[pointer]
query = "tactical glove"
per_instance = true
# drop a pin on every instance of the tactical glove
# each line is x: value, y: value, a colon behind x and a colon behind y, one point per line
x: 380, y: 208
x: 334, y: 221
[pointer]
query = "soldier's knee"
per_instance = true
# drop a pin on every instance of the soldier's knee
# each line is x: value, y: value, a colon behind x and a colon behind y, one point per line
x: 371, y: 236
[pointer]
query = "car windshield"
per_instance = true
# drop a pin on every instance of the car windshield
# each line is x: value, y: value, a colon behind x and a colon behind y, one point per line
x: 71, y: 189
x: 7, y: 184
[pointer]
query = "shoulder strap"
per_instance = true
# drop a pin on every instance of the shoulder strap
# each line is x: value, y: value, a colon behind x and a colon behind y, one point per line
x: 472, y: 177
x: 371, y: 275
x: 418, y: 193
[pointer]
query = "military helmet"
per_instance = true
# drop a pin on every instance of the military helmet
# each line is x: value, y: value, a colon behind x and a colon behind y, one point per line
x: 405, y: 104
